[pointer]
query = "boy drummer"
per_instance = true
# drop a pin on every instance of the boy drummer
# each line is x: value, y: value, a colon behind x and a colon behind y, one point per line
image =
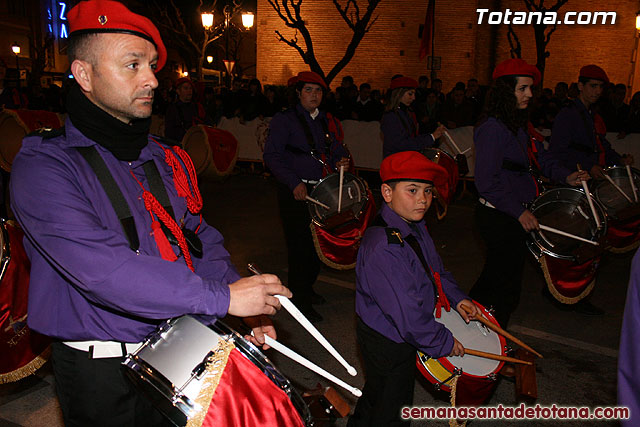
x: 396, y: 296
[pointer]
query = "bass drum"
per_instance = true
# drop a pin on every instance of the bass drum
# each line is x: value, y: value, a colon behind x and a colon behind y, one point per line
x: 623, y: 214
x: 22, y: 351
x: 214, y: 151
x: 569, y: 266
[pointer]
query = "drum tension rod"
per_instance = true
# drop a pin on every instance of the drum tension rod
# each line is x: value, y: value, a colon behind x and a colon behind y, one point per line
x: 456, y: 372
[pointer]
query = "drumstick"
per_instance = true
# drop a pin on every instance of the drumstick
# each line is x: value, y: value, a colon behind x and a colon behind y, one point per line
x: 312, y: 200
x: 617, y: 187
x: 569, y: 235
x: 493, y: 356
x: 453, y: 142
x: 586, y: 191
x: 293, y: 310
x: 633, y: 185
x: 497, y: 329
x: 309, y: 365
x: 340, y: 188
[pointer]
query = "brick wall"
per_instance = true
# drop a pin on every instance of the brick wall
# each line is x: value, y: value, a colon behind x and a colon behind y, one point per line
x: 467, y: 49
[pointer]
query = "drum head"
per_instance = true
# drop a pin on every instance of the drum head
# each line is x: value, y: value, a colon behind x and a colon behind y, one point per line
x: 607, y: 194
x: 354, y: 198
x: 476, y: 336
x: 565, y: 209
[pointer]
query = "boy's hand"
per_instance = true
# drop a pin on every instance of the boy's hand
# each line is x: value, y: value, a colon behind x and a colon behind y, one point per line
x: 458, y: 348
x: 467, y: 310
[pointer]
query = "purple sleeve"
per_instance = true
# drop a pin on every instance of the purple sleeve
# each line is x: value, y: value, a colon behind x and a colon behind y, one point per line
x: 274, y: 151
x: 400, y: 297
x: 397, y: 138
x: 491, y: 141
x: 96, y: 260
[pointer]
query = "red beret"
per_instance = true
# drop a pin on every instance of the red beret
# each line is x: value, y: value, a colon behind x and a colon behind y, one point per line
x: 403, y: 82
x: 184, y: 80
x: 292, y: 81
x: 311, y: 77
x: 517, y: 67
x: 106, y: 16
x: 413, y: 166
x: 594, y: 72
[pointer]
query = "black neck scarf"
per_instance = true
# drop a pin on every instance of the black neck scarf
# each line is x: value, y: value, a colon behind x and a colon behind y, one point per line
x: 124, y: 140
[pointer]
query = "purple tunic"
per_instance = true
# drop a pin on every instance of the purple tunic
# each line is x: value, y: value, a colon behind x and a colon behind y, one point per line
x: 398, y: 128
x: 394, y: 296
x: 287, y: 152
x: 505, y: 189
x: 573, y: 139
x: 629, y: 357
x: 86, y: 283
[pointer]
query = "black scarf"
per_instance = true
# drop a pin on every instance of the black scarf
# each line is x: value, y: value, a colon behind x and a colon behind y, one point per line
x: 125, y: 141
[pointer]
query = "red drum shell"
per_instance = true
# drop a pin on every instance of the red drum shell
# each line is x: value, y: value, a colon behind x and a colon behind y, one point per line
x: 213, y: 151
x: 15, y: 125
x: 448, y: 162
x: 22, y: 351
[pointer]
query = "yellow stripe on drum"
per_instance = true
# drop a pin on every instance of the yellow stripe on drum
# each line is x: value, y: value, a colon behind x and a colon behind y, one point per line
x: 435, y: 368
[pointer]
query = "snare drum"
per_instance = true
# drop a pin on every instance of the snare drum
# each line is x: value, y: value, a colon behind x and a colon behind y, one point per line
x: 22, y: 351
x: 337, y: 236
x: 476, y: 375
x: 624, y: 216
x: 196, y: 374
x: 569, y: 266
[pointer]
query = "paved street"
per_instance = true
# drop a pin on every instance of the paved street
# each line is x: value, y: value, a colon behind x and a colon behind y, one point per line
x: 579, y: 368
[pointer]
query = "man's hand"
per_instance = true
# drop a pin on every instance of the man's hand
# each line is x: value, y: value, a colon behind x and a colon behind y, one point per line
x: 577, y: 177
x: 260, y: 326
x: 438, y: 132
x: 528, y: 221
x: 458, y: 348
x: 596, y: 171
x: 254, y: 295
x: 342, y: 162
x: 300, y: 192
x: 471, y: 311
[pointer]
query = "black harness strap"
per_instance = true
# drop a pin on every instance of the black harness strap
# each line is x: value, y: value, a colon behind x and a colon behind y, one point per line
x: 110, y: 187
x: 156, y: 186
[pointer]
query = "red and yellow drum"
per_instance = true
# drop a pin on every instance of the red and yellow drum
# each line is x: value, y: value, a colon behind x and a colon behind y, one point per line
x: 15, y: 125
x: 337, y: 235
x: 213, y: 151
x: 569, y: 266
x: 470, y: 379
x: 22, y: 351
x: 622, y: 207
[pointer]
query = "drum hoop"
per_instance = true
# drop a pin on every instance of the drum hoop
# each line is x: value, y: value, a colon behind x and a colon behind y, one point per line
x: 601, y: 182
x: 441, y: 150
x: 365, y: 196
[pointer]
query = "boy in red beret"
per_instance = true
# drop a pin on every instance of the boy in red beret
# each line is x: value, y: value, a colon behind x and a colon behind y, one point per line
x: 400, y: 280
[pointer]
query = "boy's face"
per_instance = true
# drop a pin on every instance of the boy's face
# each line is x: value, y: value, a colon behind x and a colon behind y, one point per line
x: 409, y: 199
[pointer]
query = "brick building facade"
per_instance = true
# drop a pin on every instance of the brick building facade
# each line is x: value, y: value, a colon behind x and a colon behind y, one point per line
x: 466, y: 48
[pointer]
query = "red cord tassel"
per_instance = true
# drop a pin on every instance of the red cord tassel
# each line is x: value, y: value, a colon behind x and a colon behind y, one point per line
x: 162, y: 242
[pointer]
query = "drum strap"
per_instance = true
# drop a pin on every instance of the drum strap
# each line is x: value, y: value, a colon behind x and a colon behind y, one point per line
x: 311, y: 141
x: 116, y: 198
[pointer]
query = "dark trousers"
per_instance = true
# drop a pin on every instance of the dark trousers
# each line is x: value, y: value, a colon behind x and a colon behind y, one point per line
x: 95, y: 392
x: 304, y: 264
x: 500, y: 282
x: 390, y: 370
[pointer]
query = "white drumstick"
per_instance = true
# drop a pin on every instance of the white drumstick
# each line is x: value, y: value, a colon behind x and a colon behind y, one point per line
x: 633, y: 185
x: 617, y: 187
x: 453, y: 142
x: 293, y: 310
x: 564, y: 233
x: 310, y: 365
x: 593, y: 208
x: 340, y: 188
x: 312, y: 200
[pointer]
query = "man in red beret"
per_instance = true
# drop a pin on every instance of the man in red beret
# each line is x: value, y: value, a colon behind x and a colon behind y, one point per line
x: 579, y: 133
x: 303, y: 146
x: 99, y: 205
x: 400, y: 280
x: 185, y: 112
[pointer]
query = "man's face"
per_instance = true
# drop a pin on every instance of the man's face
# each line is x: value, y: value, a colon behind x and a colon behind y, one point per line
x: 409, y: 199
x: 457, y: 96
x: 310, y: 96
x: 590, y: 91
x: 473, y: 87
x: 123, y: 79
x: 365, y: 92
x: 185, y: 92
x: 437, y: 86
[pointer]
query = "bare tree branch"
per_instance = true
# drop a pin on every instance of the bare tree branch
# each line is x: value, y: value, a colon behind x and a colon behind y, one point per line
x: 514, y: 43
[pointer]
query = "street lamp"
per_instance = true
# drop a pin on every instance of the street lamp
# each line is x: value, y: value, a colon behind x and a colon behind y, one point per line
x: 15, y: 48
x: 209, y: 59
x: 247, y: 20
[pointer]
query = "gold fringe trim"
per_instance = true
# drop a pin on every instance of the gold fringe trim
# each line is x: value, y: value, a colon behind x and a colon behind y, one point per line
x: 323, y: 258
x: 557, y: 295
x: 216, y: 366
x: 631, y: 247
x: 454, y: 384
x: 28, y: 369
